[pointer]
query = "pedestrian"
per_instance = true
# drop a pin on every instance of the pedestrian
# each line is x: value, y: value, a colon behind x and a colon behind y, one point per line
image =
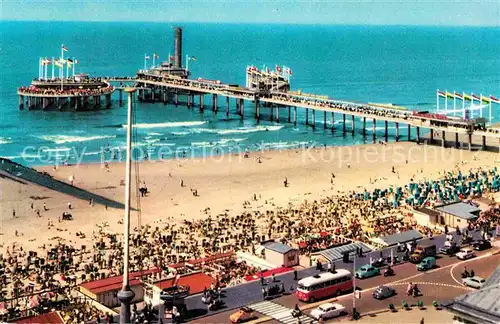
x: 334, y: 270
x: 69, y: 205
x: 295, y: 274
x: 274, y: 277
x: 45, y: 207
x: 13, y: 213
x: 261, y: 279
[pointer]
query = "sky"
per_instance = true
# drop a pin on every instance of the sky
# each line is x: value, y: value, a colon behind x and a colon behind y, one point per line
x: 345, y: 12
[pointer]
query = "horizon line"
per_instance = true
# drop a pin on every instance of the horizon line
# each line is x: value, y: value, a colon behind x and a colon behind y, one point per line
x: 253, y: 23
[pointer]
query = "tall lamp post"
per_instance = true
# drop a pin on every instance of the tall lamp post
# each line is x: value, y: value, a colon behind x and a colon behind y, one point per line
x: 126, y: 295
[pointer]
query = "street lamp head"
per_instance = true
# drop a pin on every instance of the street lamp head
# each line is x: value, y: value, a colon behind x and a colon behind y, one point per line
x: 130, y: 89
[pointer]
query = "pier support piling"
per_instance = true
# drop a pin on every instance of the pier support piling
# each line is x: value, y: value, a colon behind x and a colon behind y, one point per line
x: 108, y: 101
x: 374, y: 127
x: 277, y: 114
x: 431, y: 138
x: 324, y: 119
x: 352, y: 125
x: 343, y: 124
x: 409, y: 132
x: 333, y: 122
x: 289, y: 112
x: 443, y: 139
x: 470, y: 141
x: 307, y: 116
x: 397, y: 132
x: 457, y: 144
x: 257, y: 110
x: 242, y: 107
x: 120, y: 96
x: 314, y: 118
x: 418, y: 134
x: 21, y: 102
x: 484, y: 143
x: 214, y: 102
x: 294, y: 116
x: 201, y: 102
x: 364, y: 126
x: 227, y: 107
x: 386, y: 130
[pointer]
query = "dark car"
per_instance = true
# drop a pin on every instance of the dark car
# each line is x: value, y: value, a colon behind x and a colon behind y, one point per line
x: 481, y: 245
x: 449, y: 249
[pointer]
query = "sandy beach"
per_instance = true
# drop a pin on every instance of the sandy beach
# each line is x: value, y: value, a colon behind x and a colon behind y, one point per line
x: 223, y: 183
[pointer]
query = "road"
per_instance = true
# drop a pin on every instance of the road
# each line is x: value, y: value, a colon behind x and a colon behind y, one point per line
x: 442, y: 283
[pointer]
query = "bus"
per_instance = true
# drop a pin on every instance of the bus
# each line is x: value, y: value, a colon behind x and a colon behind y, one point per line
x: 323, y: 285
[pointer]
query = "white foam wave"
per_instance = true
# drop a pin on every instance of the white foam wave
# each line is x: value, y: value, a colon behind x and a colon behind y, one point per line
x: 179, y: 133
x: 168, y: 124
x: 241, y: 130
x: 5, y: 140
x: 152, y: 140
x: 92, y: 153
x: 163, y: 144
x: 57, y: 149
x: 155, y: 134
x: 221, y: 142
x: 61, y: 139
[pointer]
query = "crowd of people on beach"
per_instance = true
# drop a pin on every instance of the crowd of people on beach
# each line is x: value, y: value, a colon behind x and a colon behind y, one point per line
x: 309, y: 226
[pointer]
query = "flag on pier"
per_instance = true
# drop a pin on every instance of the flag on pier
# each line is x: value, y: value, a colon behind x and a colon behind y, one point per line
x: 458, y: 96
x: 289, y: 71
x: 450, y: 95
x: 278, y: 68
x: 58, y: 63
x: 75, y: 62
x: 485, y: 99
x: 70, y: 62
x: 441, y: 94
x: 147, y: 57
x: 171, y: 58
x: 475, y: 97
x: 495, y: 100
x: 64, y: 48
x: 155, y: 56
x: 467, y: 97
x: 192, y: 58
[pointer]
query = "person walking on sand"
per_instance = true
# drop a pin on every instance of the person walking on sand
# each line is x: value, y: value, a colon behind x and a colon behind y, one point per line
x: 13, y: 213
x: 69, y: 205
x: 45, y: 207
x: 182, y: 183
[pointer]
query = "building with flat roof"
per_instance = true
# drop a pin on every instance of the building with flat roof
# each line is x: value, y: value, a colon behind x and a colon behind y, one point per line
x: 457, y: 214
x: 281, y: 254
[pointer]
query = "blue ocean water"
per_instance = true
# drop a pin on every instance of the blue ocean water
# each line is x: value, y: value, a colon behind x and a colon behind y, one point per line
x: 397, y: 64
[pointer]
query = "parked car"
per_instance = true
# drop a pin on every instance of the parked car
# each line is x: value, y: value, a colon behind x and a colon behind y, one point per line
x: 383, y: 292
x: 481, y: 245
x: 328, y: 310
x: 367, y: 271
x: 242, y: 315
x: 474, y: 282
x: 465, y: 254
x: 426, y: 264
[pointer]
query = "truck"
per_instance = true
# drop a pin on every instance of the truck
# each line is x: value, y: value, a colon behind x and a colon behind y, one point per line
x: 422, y: 252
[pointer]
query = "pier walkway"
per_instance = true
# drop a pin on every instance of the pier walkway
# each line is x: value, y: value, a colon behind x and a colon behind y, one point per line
x: 168, y: 85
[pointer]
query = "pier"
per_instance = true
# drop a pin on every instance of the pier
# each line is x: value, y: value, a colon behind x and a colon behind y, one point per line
x: 264, y: 90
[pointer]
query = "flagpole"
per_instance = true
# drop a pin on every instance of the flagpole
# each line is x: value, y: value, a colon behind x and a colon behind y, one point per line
x: 437, y: 99
x: 187, y: 62
x: 67, y: 71
x: 61, y: 70
x: 472, y: 105
x: 463, y: 104
x: 154, y: 59
x: 454, y: 102
x: 480, y: 105
x: 39, y: 68
x: 74, y: 62
x: 144, y: 62
x: 46, y: 68
x: 53, y: 68
x: 491, y: 119
x: 446, y: 102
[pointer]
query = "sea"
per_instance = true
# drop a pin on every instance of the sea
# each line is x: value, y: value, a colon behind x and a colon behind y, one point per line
x: 402, y: 65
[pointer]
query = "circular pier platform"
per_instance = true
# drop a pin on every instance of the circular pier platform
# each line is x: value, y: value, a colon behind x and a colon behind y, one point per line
x: 77, y: 93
